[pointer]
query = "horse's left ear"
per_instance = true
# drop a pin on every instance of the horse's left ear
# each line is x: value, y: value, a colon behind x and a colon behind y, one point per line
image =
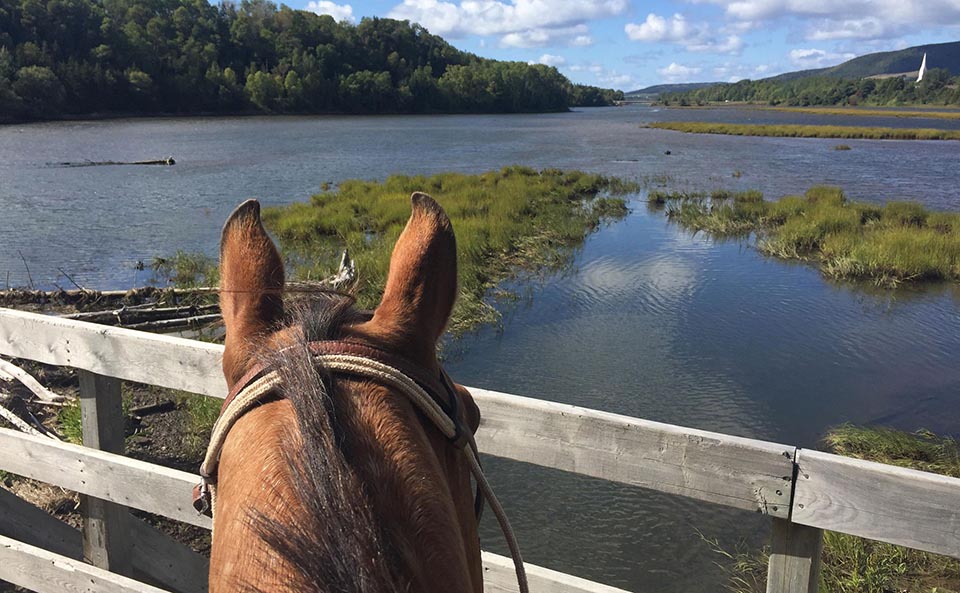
x: 251, y: 285
x: 422, y: 283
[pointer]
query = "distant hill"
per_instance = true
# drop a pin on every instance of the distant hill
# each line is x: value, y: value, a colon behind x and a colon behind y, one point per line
x: 670, y: 88
x: 939, y: 55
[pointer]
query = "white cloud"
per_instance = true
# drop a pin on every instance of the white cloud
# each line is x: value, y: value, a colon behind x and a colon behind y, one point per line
x: 544, y: 36
x: 657, y: 28
x: 817, y: 58
x: 340, y: 12
x: 867, y: 28
x: 847, y: 19
x: 736, y: 71
x: 527, y: 22
x: 695, y: 37
x: 731, y: 45
x: 605, y: 77
x: 678, y: 72
x: 581, y: 41
x: 550, y: 60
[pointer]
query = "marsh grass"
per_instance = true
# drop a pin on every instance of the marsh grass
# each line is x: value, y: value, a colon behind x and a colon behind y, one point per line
x: 507, y: 221
x: 842, y: 147
x: 805, y: 131
x: 854, y: 565
x: 186, y: 270
x: 931, y: 114
x: 888, y: 245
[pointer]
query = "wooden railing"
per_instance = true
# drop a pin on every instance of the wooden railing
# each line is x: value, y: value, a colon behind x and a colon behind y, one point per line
x: 803, y: 491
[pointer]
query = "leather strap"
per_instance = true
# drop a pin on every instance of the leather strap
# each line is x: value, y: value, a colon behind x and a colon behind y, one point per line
x: 440, y: 389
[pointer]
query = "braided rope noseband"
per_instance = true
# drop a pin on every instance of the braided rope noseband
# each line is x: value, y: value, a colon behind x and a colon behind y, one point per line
x: 361, y: 361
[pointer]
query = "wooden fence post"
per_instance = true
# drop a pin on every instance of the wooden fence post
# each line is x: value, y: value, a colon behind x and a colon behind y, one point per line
x: 106, y: 527
x: 794, y: 558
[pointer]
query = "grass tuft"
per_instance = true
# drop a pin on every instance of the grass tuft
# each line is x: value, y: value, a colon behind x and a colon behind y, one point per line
x: 508, y: 220
x: 805, y: 131
x: 896, y: 243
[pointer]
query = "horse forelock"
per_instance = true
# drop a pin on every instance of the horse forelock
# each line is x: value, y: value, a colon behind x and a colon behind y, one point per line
x: 335, y: 543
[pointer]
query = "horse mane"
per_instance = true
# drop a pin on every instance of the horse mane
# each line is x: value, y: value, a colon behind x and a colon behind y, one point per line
x: 337, y: 545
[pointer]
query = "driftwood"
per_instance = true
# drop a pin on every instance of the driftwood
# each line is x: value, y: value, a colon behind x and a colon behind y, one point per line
x: 152, y: 294
x: 176, y: 323
x: 34, y: 427
x: 127, y: 316
x: 86, y: 297
x: 11, y: 372
x: 167, y: 161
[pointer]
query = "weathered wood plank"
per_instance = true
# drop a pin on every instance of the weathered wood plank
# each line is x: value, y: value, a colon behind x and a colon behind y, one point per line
x: 156, y: 557
x: 127, y: 354
x: 45, y: 572
x: 152, y: 488
x: 30, y: 524
x: 892, y: 504
x: 162, y: 560
x: 499, y: 577
x: 733, y: 471
x: 106, y: 526
x: 794, y: 565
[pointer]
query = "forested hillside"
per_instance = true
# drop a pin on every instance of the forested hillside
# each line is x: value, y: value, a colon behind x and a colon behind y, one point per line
x: 864, y: 80
x: 937, y: 88
x: 73, y: 57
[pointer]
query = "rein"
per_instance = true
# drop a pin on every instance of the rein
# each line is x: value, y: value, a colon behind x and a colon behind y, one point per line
x: 425, y: 392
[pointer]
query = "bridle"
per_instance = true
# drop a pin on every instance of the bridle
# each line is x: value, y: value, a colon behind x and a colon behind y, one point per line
x: 433, y: 396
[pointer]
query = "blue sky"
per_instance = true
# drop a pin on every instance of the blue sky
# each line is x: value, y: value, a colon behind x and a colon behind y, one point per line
x: 629, y: 44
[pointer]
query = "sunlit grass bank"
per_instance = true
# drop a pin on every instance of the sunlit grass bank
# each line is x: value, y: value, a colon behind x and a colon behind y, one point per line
x: 798, y: 131
x: 928, y: 113
x: 855, y: 565
x: 506, y: 221
x: 890, y: 244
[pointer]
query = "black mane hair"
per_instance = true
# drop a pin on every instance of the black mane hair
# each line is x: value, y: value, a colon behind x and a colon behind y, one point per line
x: 338, y: 546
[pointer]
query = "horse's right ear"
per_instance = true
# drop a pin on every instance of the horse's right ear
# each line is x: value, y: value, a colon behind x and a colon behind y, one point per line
x: 251, y: 286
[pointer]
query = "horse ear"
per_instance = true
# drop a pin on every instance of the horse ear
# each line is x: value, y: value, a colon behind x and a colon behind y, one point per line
x: 251, y: 285
x: 422, y: 282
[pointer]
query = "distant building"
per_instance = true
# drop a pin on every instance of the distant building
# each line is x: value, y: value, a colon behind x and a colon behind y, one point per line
x: 923, y: 68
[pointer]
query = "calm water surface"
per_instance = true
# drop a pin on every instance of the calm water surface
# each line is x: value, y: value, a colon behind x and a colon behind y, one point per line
x: 650, y: 320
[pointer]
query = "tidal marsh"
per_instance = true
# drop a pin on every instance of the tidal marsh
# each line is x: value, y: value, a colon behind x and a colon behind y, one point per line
x: 506, y: 221
x: 805, y: 131
x: 924, y: 113
x: 898, y: 242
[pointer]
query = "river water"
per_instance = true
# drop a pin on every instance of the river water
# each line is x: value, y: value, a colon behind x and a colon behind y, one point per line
x: 649, y: 320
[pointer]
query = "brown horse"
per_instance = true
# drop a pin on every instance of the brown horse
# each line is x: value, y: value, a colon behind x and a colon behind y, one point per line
x: 337, y: 483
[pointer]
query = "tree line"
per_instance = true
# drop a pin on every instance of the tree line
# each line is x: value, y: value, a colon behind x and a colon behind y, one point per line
x: 937, y: 88
x: 60, y: 58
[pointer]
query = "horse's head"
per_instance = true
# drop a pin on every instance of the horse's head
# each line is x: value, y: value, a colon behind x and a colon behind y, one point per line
x: 354, y: 446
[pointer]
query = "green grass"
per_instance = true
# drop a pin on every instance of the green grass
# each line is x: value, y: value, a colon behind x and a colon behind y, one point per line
x: 202, y: 413
x: 801, y: 131
x: 506, y: 221
x: 888, y: 245
x: 71, y: 426
x: 855, y: 565
x: 868, y: 112
x: 842, y: 147
x: 186, y: 270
